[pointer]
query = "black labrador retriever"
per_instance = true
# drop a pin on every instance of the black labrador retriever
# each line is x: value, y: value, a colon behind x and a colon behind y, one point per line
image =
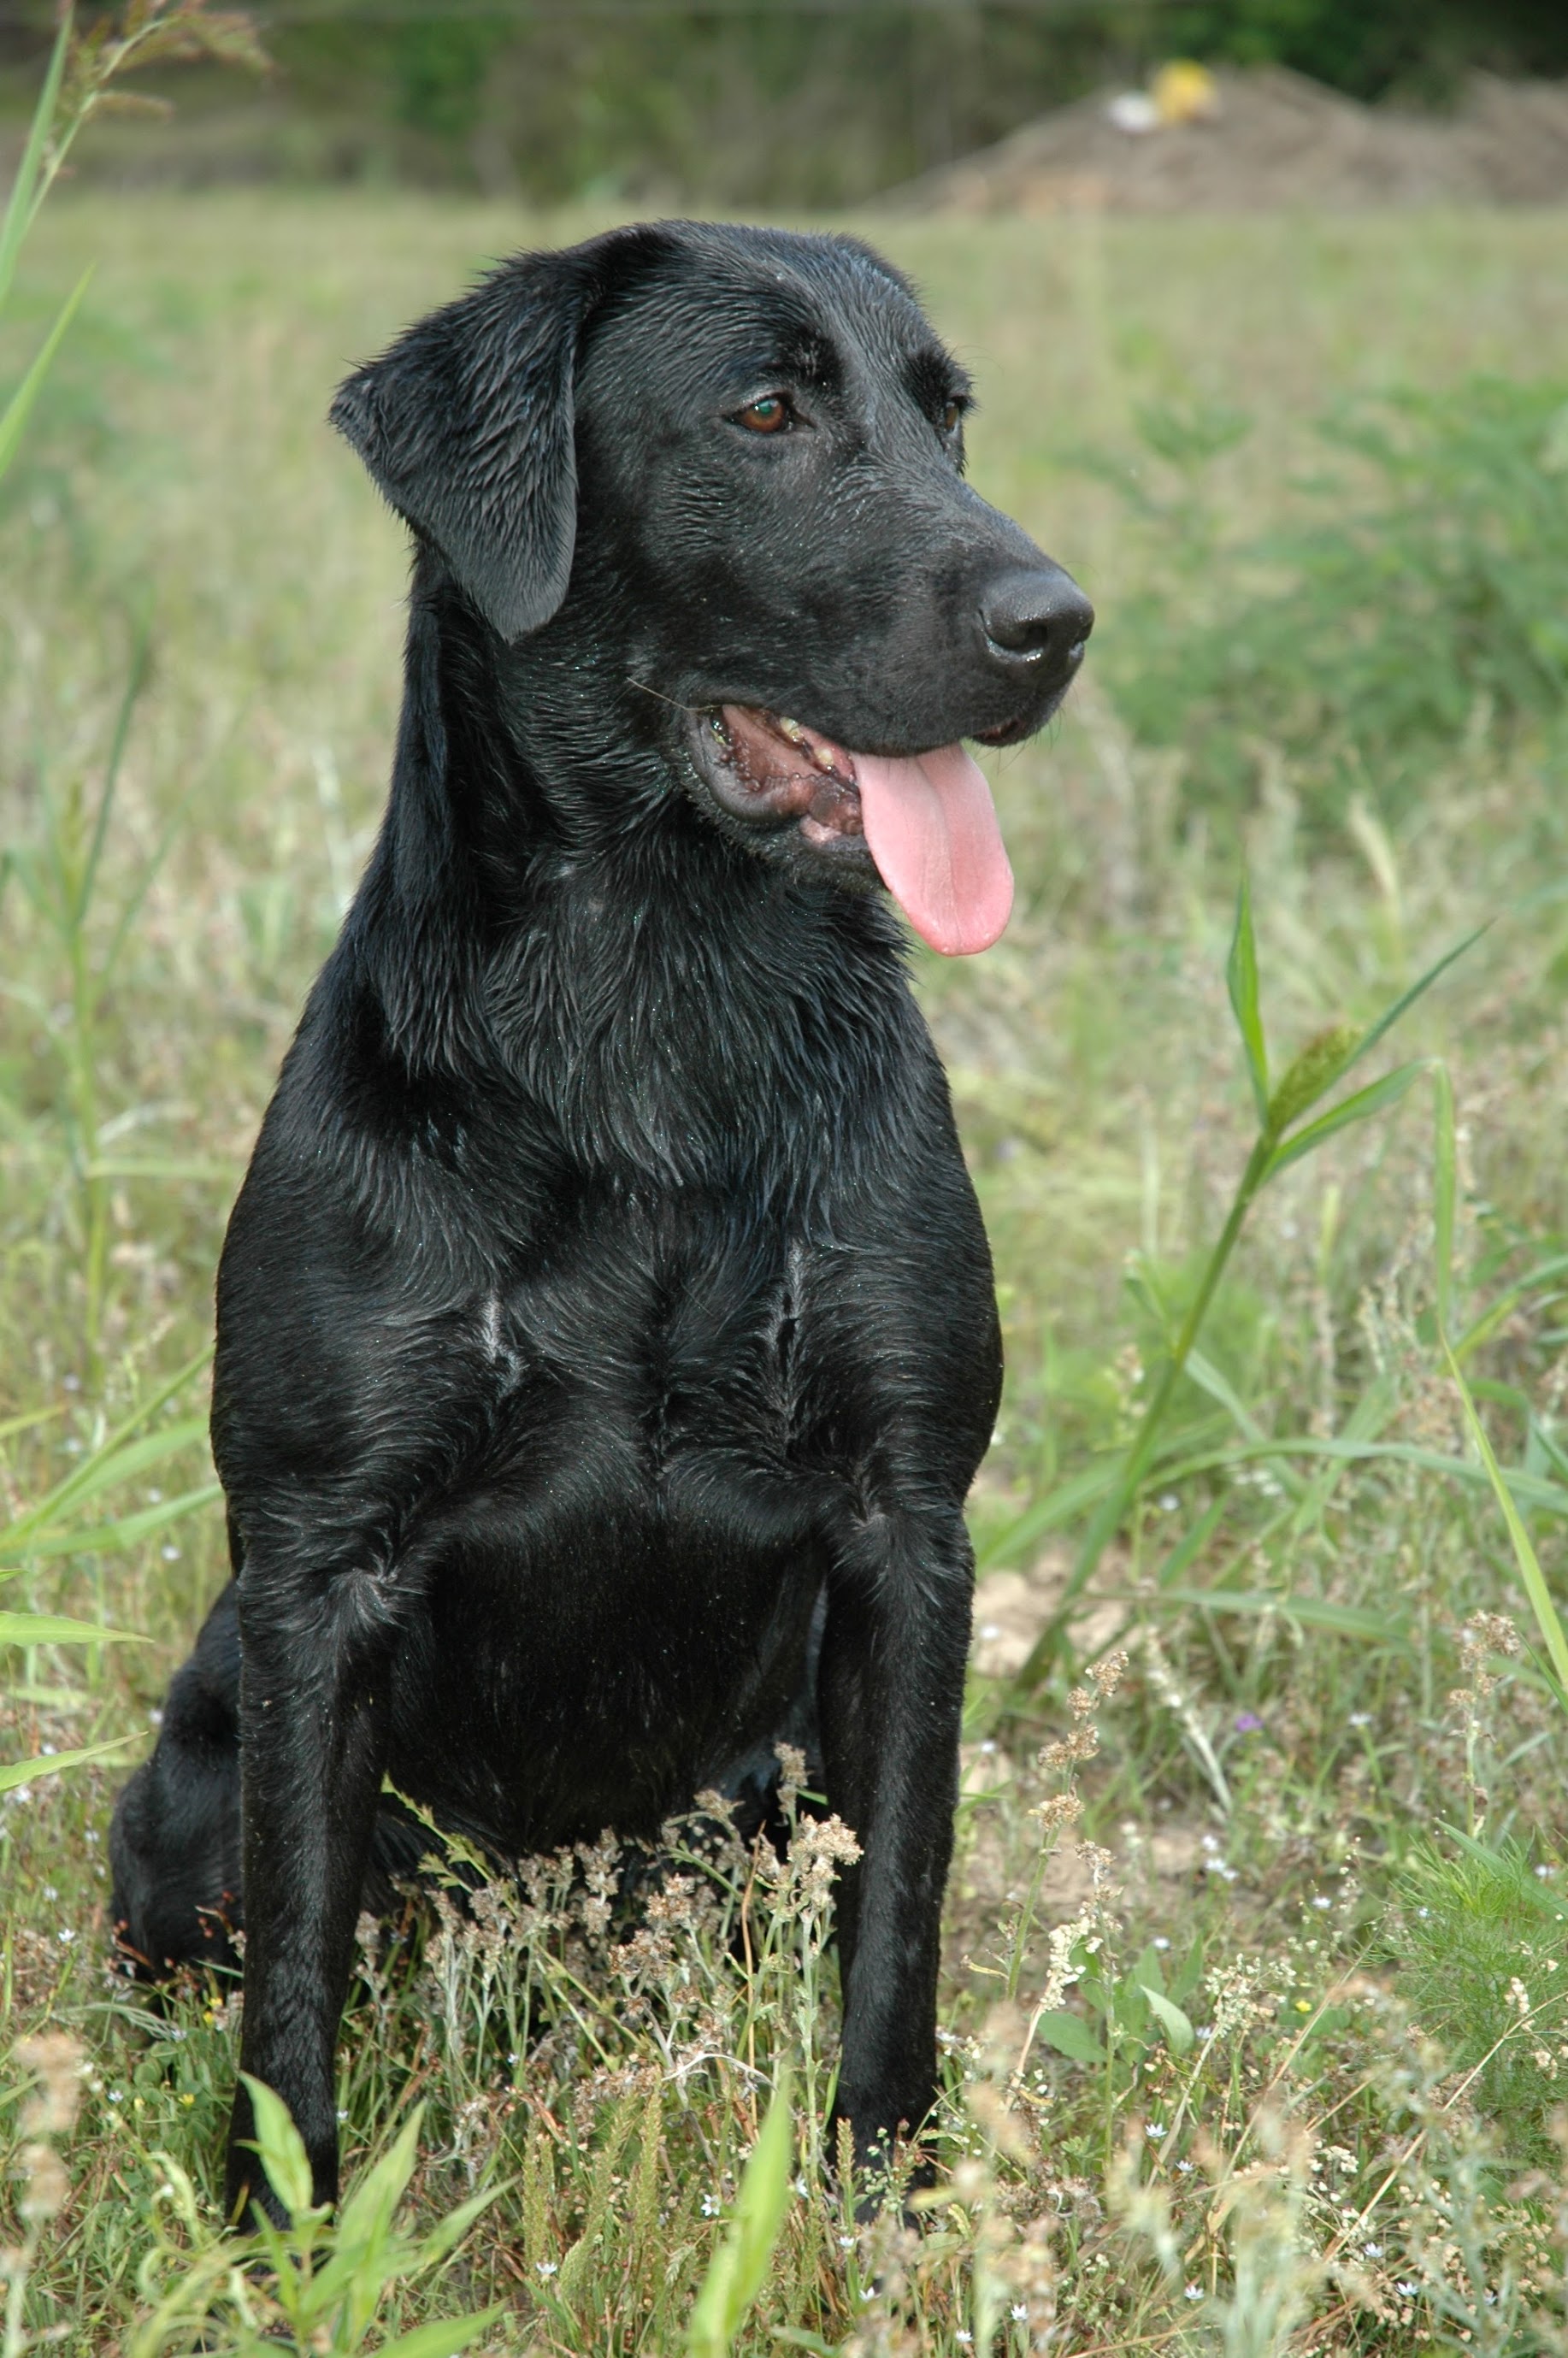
x: 606, y: 1332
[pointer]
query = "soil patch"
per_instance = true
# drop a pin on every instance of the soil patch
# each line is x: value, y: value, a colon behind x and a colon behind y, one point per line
x: 1276, y: 141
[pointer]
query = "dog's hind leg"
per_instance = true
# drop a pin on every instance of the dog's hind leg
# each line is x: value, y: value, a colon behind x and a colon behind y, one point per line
x: 750, y: 1783
x: 174, y: 1842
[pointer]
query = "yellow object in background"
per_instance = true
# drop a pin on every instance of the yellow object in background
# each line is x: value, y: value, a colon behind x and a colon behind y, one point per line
x: 1184, y: 92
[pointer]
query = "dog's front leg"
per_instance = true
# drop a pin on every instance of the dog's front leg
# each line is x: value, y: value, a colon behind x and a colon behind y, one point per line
x: 313, y: 1693
x: 891, y: 1694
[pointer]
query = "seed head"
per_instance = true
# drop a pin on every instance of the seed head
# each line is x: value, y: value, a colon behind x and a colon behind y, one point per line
x: 58, y: 2060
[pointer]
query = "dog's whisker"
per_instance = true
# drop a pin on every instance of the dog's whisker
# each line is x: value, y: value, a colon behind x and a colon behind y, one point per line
x: 695, y: 710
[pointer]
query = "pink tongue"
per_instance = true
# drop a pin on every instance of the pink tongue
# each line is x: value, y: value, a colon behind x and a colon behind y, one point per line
x: 931, y: 829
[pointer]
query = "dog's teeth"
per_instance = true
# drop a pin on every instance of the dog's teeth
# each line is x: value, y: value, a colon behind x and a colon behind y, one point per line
x: 818, y: 755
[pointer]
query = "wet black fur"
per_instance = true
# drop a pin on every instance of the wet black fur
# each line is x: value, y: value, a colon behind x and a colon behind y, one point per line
x: 607, y: 1299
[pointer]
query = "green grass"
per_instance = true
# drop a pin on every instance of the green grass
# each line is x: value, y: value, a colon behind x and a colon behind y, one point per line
x: 1213, y: 2082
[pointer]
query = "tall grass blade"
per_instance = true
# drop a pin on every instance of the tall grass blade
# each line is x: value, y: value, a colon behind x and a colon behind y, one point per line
x: 1364, y: 1423
x: 1503, y: 1485
x: 444, y: 2337
x: 1485, y: 1325
x: 117, y: 1456
x: 453, y: 2226
x: 49, y: 1764
x: 1241, y: 979
x: 1530, y: 1490
x: 1192, y: 1543
x: 1386, y: 1021
x: 1444, y: 1195
x: 55, y: 1629
x: 1319, y: 1612
x: 21, y: 205
x: 135, y: 680
x: 109, y: 1538
x: 1547, y: 1618
x: 159, y: 1166
x: 739, y: 2267
x: 25, y: 1423
x: 1061, y: 1505
x: 1209, y: 1378
x: 19, y: 408
x: 50, y: 1534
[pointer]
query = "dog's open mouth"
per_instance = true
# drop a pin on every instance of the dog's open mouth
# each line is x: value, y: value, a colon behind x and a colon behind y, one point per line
x: 927, y: 819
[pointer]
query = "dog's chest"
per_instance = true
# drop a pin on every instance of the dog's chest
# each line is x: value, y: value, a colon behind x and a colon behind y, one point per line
x: 711, y: 1378
x: 637, y: 1504
x: 661, y: 1334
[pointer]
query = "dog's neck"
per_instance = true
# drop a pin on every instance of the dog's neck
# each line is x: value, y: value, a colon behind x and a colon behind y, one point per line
x: 546, y: 910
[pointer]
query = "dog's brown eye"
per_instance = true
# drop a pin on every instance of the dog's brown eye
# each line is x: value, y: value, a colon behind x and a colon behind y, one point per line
x: 952, y: 417
x: 769, y: 415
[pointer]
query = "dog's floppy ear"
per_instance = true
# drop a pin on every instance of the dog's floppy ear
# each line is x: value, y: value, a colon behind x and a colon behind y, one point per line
x: 466, y: 424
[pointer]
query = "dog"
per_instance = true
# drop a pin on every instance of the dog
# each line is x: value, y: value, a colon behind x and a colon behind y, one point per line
x: 606, y: 1338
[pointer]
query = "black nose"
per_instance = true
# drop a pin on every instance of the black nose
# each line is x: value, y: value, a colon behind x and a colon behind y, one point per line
x: 1028, y: 615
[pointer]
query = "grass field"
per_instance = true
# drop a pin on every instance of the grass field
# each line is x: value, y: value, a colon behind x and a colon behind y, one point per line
x: 1255, y: 2015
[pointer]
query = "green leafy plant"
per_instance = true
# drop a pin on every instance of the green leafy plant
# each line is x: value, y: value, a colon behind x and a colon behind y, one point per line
x: 1138, y: 2008
x: 1284, y: 1136
x: 325, y: 2281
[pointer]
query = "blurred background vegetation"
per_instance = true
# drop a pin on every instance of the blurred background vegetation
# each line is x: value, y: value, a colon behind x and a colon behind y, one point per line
x: 744, y: 101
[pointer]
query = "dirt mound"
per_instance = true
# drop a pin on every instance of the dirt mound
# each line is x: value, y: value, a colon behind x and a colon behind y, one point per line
x: 1276, y: 141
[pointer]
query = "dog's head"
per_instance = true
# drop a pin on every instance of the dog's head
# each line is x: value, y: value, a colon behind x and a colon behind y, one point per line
x: 735, y: 459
